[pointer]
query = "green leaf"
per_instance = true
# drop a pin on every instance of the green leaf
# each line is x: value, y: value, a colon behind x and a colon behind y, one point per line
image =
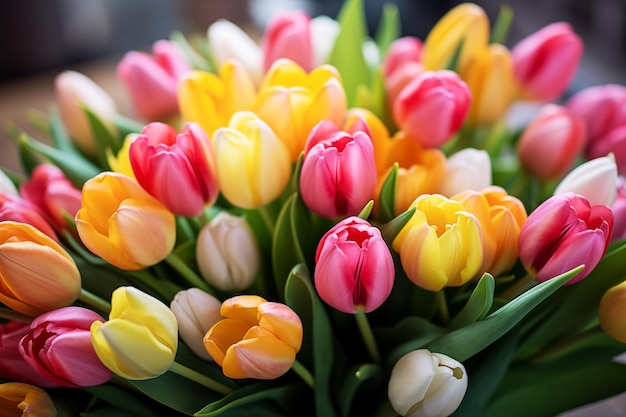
x: 104, y: 138
x: 196, y: 60
x: 318, y: 336
x: 126, y: 126
x: 502, y: 27
x: 478, y: 305
x: 60, y: 138
x: 388, y: 28
x: 361, y: 390
x: 387, y: 199
x: 465, y: 342
x: 391, y: 229
x: 367, y: 210
x: 347, y: 53
x: 132, y: 403
x: 409, y: 334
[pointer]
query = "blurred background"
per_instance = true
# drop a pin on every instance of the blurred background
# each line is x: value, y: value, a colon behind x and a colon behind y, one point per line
x: 40, y: 38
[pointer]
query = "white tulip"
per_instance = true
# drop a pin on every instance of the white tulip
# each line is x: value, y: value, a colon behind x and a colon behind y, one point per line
x: 425, y: 384
x: 468, y: 169
x: 324, y: 31
x: 596, y: 180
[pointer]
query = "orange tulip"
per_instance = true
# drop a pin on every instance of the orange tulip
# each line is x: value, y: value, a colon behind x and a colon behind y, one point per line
x: 24, y: 400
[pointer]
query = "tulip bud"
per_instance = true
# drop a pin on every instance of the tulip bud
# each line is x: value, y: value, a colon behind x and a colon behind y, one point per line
x: 76, y: 92
x: 595, y: 180
x: 432, y: 107
x: 353, y: 267
x: 123, y: 224
x: 152, y: 81
x: 17, y: 209
x: 257, y: 339
x: 37, y: 274
x: 545, y: 62
x: 25, y: 400
x: 140, y: 339
x: 288, y: 35
x: 196, y: 312
x: 253, y: 165
x: 49, y: 189
x: 551, y: 143
x: 619, y: 210
x: 338, y: 174
x: 468, y: 169
x: 176, y: 168
x: 441, y: 245
x: 564, y: 232
x: 425, y: 384
x: 228, y: 253
x: 612, y: 312
x: 58, y: 346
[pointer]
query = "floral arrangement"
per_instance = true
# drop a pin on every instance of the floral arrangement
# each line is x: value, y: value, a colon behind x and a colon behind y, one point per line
x: 322, y: 223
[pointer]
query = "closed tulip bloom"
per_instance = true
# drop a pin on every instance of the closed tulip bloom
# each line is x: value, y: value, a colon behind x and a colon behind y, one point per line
x: 353, y: 267
x: 49, y: 189
x: 123, y: 224
x: 74, y: 92
x: 211, y: 99
x: 176, y: 168
x: 545, y: 62
x: 467, y: 23
x: 36, y: 273
x: 612, y: 312
x: 595, y: 180
x: 441, y: 245
x: 288, y: 35
x: 402, y: 63
x: 501, y: 218
x: 152, y: 80
x: 467, y: 169
x: 292, y: 101
x: 17, y: 209
x: 228, y: 42
x: 253, y: 166
x: 551, y: 143
x: 425, y: 384
x: 24, y: 400
x: 433, y: 107
x: 619, y: 211
x: 563, y: 233
x: 140, y: 338
x: 58, y: 346
x: 338, y: 175
x: 12, y: 365
x: 257, y: 339
x: 196, y: 312
x: 228, y: 253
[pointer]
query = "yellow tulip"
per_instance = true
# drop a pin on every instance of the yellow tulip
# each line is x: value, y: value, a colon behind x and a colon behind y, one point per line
x: 501, y: 217
x: 24, y: 400
x: 121, y: 162
x: 292, y: 102
x: 140, y: 339
x: 211, y: 99
x: 123, y: 224
x: 253, y: 166
x: 36, y: 274
x: 441, y: 245
x: 467, y: 23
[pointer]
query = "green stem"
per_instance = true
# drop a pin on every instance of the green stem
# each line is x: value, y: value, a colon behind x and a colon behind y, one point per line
x: 151, y: 281
x: 267, y: 218
x: 502, y: 26
x: 367, y: 334
x: 94, y: 301
x: 304, y: 373
x: 9, y: 314
x: 201, y: 379
x: 189, y: 274
x: 442, y: 306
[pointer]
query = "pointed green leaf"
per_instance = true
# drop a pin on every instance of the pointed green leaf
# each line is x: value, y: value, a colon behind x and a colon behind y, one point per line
x: 367, y: 210
x: 196, y: 60
x: 478, y: 305
x: 391, y: 229
x: 360, y: 390
x: 388, y: 27
x: 502, y: 27
x: 126, y: 126
x: 409, y: 334
x: 387, y: 199
x: 60, y: 138
x: 105, y: 139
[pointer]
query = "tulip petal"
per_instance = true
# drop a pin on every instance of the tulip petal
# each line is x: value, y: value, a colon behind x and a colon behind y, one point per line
x: 260, y: 358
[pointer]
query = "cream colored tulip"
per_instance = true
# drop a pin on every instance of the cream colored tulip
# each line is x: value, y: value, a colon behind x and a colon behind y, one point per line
x: 468, y: 169
x: 595, y: 180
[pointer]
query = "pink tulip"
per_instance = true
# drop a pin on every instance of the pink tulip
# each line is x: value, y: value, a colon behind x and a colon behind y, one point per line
x: 19, y: 210
x: 545, y: 62
x: 12, y: 364
x: 562, y: 233
x: 619, y: 210
x: 353, y: 267
x: 551, y: 143
x: 152, y: 81
x: 288, y: 35
x: 432, y: 107
x: 401, y: 64
x: 59, y: 347
x: 176, y: 168
x: 338, y: 175
x: 49, y: 189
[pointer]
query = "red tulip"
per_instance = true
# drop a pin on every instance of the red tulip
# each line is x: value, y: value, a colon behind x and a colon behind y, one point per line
x: 353, y: 267
x: 176, y: 168
x: 562, y: 233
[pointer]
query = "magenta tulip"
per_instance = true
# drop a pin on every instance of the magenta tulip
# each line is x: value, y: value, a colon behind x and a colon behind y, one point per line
x: 288, y: 35
x: 432, y: 107
x: 338, y: 175
x: 59, y: 347
x: 176, y: 168
x: 353, y: 267
x: 17, y: 209
x: 563, y: 233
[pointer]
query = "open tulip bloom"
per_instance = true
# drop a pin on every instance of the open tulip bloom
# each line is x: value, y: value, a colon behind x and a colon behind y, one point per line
x: 320, y: 221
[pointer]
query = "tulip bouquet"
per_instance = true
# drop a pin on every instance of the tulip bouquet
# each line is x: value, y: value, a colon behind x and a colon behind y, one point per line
x: 323, y: 223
